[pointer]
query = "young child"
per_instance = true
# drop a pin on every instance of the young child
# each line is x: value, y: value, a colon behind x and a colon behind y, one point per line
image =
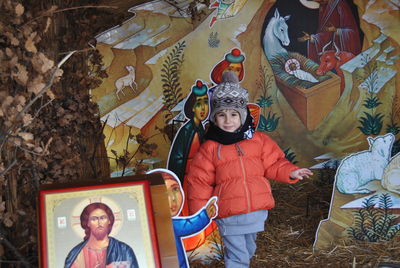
x: 234, y: 164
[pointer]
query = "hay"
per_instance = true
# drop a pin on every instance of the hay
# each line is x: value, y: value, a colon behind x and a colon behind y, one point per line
x: 290, y: 232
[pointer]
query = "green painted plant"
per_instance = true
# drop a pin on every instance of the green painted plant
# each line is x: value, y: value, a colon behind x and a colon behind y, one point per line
x: 170, y: 77
x: 393, y: 127
x: 372, y: 102
x: 396, y: 147
x: 265, y: 101
x: 371, y: 124
x: 373, y: 223
x: 213, y: 40
x: 268, y: 124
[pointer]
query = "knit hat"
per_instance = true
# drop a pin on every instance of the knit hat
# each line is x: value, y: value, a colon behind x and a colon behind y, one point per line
x: 229, y: 95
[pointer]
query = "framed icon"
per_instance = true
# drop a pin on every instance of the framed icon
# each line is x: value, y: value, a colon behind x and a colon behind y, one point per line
x: 109, y: 225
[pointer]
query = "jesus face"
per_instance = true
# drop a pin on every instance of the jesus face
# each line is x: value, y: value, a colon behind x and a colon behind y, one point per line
x: 99, y: 224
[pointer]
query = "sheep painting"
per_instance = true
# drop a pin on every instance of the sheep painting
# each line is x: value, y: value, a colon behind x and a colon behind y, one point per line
x: 124, y: 81
x: 357, y: 170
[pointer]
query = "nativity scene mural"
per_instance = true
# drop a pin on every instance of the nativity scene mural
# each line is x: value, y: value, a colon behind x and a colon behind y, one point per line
x: 322, y: 77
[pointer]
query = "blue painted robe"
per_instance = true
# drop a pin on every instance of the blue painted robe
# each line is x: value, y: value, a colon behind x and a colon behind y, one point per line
x: 186, y: 226
x: 117, y: 251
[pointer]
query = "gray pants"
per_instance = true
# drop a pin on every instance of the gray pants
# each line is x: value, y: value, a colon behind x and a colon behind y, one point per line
x: 239, y: 249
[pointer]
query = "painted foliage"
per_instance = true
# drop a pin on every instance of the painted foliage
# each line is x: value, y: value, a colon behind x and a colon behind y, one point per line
x: 323, y: 74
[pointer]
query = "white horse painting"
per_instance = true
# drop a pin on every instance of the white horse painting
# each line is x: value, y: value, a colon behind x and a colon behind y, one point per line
x: 276, y: 35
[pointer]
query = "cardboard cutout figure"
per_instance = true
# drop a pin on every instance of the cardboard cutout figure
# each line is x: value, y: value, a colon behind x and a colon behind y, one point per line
x: 233, y: 61
x: 186, y: 143
x: 185, y: 226
x: 374, y: 216
x: 189, y: 137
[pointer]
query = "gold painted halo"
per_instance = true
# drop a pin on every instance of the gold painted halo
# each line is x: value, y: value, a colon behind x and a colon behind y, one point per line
x: 310, y: 4
x: 77, y: 210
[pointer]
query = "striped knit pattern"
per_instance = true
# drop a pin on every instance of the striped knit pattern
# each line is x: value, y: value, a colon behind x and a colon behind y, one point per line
x: 229, y: 95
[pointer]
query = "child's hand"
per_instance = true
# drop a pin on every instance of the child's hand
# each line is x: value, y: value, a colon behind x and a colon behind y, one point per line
x: 301, y: 173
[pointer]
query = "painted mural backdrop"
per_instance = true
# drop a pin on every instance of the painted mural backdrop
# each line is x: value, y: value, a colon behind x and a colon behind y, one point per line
x: 324, y: 76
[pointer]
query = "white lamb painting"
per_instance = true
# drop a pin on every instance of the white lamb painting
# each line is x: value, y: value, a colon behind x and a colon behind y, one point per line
x: 391, y: 175
x: 358, y: 169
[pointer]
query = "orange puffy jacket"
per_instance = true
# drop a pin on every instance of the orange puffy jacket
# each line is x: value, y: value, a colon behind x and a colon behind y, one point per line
x: 237, y: 174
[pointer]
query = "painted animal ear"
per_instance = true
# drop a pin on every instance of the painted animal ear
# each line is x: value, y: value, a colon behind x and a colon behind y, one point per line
x: 370, y: 141
x: 276, y: 14
x: 287, y: 17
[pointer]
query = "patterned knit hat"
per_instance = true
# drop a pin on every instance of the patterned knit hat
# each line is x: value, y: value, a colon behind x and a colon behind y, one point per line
x: 229, y: 95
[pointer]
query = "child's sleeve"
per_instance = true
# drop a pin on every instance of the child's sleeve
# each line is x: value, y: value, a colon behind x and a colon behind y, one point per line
x: 200, y: 180
x: 277, y: 167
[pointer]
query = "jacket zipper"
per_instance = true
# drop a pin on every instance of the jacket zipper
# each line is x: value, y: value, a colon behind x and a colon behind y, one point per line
x: 240, y: 153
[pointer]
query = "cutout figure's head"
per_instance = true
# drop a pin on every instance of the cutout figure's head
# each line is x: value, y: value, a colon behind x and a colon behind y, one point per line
x: 176, y: 196
x: 233, y: 62
x: 197, y: 104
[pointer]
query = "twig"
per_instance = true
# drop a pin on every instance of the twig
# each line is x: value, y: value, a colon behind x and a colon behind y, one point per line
x: 26, y: 107
x: 27, y: 150
x: 330, y: 252
x: 14, y: 250
x: 14, y: 162
x: 92, y: 158
x: 77, y: 51
x: 41, y: 107
x: 42, y: 91
x: 50, y: 13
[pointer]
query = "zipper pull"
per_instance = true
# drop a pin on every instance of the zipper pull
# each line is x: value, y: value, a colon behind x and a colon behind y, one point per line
x: 238, y: 149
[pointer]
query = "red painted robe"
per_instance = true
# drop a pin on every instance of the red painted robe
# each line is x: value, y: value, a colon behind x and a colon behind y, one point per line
x: 335, y: 13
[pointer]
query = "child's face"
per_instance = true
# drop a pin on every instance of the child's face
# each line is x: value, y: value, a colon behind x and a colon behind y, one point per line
x: 228, y: 120
x: 175, y: 197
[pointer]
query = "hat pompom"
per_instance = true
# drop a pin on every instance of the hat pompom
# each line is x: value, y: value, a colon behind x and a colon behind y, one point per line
x: 235, y: 56
x: 199, y: 89
x: 230, y: 77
